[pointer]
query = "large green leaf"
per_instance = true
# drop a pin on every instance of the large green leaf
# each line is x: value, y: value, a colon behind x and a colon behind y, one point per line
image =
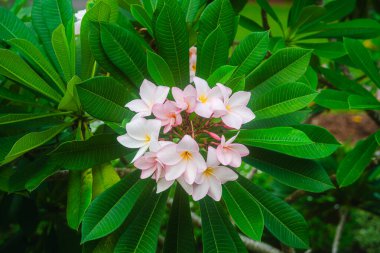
x: 11, y: 27
x: 264, y: 4
x: 221, y: 75
x: 362, y: 58
x: 31, y: 141
x: 108, y: 211
x: 218, y: 13
x: 70, y: 101
x: 295, y: 10
x: 142, y: 235
x: 191, y: 8
x: 173, y: 41
x: 22, y: 117
x: 250, y: 52
x: 16, y: 96
x: 299, y: 173
x: 62, y: 52
x: 217, y: 235
x: 303, y: 141
x: 79, y: 195
x: 355, y: 161
x: 282, y: 220
x: 213, y: 54
x: 289, y: 119
x: 103, y: 11
x: 79, y: 155
x: 159, y: 70
x: 281, y: 100
x: 330, y: 50
x: 13, y: 67
x: 38, y: 60
x: 104, y: 176
x: 47, y: 15
x: 285, y: 66
x: 104, y: 98
x: 125, y: 51
x: 357, y: 28
x: 244, y: 210
x: 179, y: 236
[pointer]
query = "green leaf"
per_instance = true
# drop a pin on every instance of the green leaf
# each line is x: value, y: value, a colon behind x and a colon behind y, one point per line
x: 13, y: 67
x: 104, y: 11
x: 289, y: 119
x: 35, y: 58
x: 303, y: 141
x: 71, y: 102
x: 236, y: 83
x: 217, y: 13
x: 142, y: 234
x: 191, y: 8
x: 62, y: 52
x: 221, y: 75
x: 310, y: 78
x: 15, y: 96
x: 282, y: 99
x: 284, y: 222
x: 140, y: 14
x: 47, y: 15
x: 330, y: 50
x: 264, y: 4
x: 173, y: 41
x: 79, y: 194
x: 217, y: 235
x: 179, y: 236
x: 244, y: 210
x: 104, y: 98
x: 355, y: 161
x: 12, y: 27
x: 285, y: 66
x: 343, y: 83
x: 302, y: 174
x: 31, y: 141
x: 104, y: 176
x: 250, y: 52
x: 125, y: 51
x: 296, y: 9
x: 357, y: 28
x: 22, y: 117
x: 309, y: 15
x: 213, y: 54
x: 108, y: 211
x: 249, y: 24
x: 363, y: 103
x: 362, y: 58
x: 159, y: 70
x: 79, y: 155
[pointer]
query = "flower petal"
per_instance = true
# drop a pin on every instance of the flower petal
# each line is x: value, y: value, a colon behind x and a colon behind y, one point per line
x: 239, y: 98
x: 129, y: 142
x: 148, y: 92
x: 168, y: 154
x: 215, y: 190
x: 212, y: 159
x: 187, y: 187
x: 141, y: 151
x: 163, y: 185
x: 244, y: 113
x: 187, y: 144
x: 161, y: 94
x: 201, y: 86
x: 203, y: 110
x: 136, y: 129
x: 200, y: 190
x: 175, y: 171
x: 232, y: 120
x: 240, y: 149
x: 225, y: 174
x: 138, y: 105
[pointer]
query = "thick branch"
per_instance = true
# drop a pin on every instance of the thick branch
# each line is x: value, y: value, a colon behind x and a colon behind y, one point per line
x: 264, y: 19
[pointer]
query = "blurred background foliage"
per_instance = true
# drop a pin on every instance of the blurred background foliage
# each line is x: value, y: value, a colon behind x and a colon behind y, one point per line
x: 36, y: 222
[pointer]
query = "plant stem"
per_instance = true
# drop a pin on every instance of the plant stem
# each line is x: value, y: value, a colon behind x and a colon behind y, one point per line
x: 339, y: 230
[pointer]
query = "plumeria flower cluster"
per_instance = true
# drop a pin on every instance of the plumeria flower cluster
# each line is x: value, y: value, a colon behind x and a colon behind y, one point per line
x: 183, y: 139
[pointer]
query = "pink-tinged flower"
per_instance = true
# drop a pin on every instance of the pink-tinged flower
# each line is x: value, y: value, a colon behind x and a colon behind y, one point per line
x: 210, y: 181
x: 235, y: 112
x: 163, y: 185
x: 229, y: 153
x: 192, y: 62
x: 150, y: 95
x: 141, y: 133
x: 79, y: 16
x: 182, y: 159
x: 209, y: 100
x: 186, y: 99
x: 149, y: 164
x: 169, y: 114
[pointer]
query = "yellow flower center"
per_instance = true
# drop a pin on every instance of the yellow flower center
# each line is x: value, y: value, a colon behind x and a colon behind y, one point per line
x: 147, y: 138
x: 209, y: 171
x: 228, y: 107
x: 203, y: 99
x: 186, y: 155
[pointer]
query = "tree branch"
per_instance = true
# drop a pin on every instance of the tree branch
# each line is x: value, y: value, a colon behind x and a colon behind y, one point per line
x: 264, y: 19
x: 339, y: 230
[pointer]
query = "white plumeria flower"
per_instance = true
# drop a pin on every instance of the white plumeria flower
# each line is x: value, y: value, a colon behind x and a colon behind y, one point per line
x: 79, y: 16
x: 141, y: 133
x: 229, y: 153
x: 182, y: 159
x: 235, y: 112
x: 150, y: 95
x: 210, y: 181
x: 209, y: 100
x: 163, y: 185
